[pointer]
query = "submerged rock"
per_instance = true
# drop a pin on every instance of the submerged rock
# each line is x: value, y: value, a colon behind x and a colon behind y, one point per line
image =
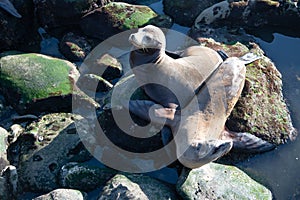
x: 35, y: 83
x: 133, y: 186
x: 261, y: 108
x: 43, y: 148
x: 63, y: 194
x: 84, y: 177
x: 114, y: 18
x: 216, y: 181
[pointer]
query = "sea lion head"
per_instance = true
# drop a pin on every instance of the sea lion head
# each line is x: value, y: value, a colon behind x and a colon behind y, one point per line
x: 149, y: 37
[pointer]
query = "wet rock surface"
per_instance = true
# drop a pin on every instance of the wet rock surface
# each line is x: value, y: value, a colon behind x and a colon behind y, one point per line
x: 185, y: 12
x: 215, y: 181
x: 74, y: 47
x: 37, y: 168
x: 114, y: 18
x: 84, y: 177
x: 28, y: 79
x: 57, y: 13
x: 3, y: 147
x: 66, y: 194
x: 131, y: 186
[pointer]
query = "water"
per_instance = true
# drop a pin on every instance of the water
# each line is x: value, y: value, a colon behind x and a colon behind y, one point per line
x: 280, y: 168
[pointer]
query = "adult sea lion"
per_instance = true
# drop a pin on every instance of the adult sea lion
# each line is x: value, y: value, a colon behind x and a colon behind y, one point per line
x: 199, y: 127
x: 9, y: 7
x: 177, y: 77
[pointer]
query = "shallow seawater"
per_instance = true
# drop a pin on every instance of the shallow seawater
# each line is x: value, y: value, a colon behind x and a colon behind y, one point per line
x: 280, y: 169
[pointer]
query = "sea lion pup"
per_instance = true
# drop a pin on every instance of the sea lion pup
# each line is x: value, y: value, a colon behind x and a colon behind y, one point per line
x: 9, y: 7
x: 199, y: 129
x: 174, y: 79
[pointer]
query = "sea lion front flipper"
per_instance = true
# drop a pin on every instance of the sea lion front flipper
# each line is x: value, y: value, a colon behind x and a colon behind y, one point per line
x: 201, y: 152
x: 150, y: 111
x: 247, y: 142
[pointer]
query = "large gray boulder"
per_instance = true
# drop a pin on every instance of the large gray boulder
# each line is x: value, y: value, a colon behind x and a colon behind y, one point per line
x: 216, y: 181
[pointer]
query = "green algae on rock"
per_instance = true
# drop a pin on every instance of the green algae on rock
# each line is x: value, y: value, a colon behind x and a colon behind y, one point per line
x: 27, y: 79
x: 43, y: 148
x: 134, y: 186
x: 216, y: 181
x: 116, y: 17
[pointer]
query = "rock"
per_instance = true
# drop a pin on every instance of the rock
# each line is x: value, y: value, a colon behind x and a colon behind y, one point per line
x: 131, y: 186
x: 18, y: 33
x: 185, y: 12
x: 8, y: 183
x: 4, y: 194
x: 84, y: 177
x: 105, y: 66
x: 74, y: 47
x: 3, y: 148
x: 139, y: 2
x: 261, y: 109
x: 34, y: 82
x: 60, y: 14
x: 65, y: 194
x: 43, y: 148
x: 114, y: 18
x: 216, y: 181
x: 251, y: 14
x: 98, y: 74
x: 89, y: 81
x: 224, y: 34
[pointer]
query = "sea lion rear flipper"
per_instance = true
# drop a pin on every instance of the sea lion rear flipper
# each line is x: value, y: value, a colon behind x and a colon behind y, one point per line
x: 247, y: 142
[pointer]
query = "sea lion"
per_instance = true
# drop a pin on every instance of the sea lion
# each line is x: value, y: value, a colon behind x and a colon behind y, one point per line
x: 9, y: 7
x: 199, y: 128
x: 198, y: 125
x: 176, y: 76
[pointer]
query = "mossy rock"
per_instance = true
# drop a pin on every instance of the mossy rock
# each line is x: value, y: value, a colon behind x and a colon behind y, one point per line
x: 84, y: 177
x: 34, y: 82
x: 216, y: 181
x: 43, y: 148
x: 116, y: 17
x: 261, y: 108
x: 133, y: 186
